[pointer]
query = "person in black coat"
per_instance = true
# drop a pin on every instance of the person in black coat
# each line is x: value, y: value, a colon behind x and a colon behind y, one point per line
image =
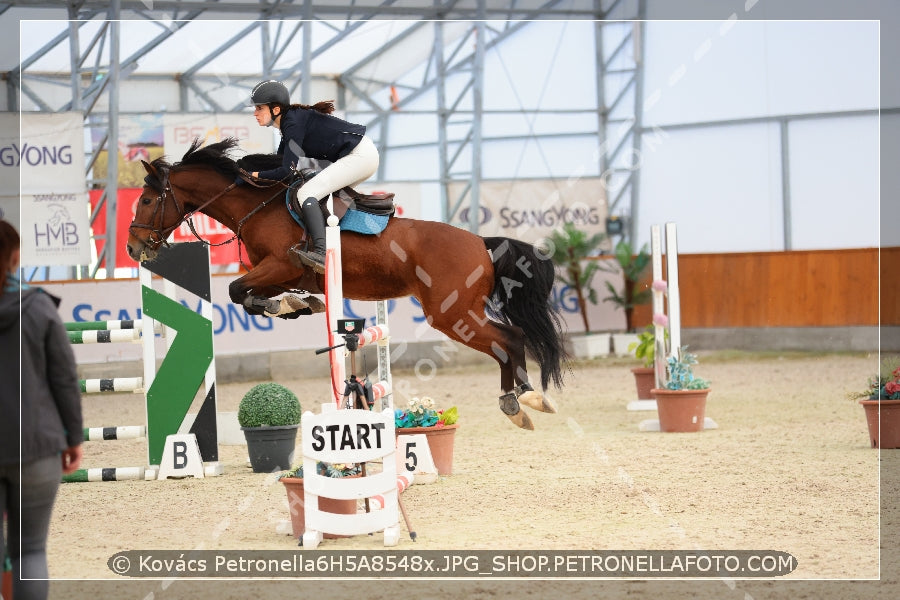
x: 41, y: 429
x: 312, y: 132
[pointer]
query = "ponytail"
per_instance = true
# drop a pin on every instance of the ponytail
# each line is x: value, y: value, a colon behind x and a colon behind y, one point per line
x: 326, y: 107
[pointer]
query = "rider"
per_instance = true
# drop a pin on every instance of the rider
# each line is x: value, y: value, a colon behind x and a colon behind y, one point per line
x: 312, y: 132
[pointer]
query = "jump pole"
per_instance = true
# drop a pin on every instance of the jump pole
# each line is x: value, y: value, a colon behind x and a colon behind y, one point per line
x: 187, y: 360
x: 667, y: 288
x: 334, y: 310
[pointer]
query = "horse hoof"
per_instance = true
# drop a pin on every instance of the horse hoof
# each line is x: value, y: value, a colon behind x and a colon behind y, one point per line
x: 537, y: 401
x: 521, y: 419
x: 293, y: 303
x: 509, y: 404
x: 315, y: 305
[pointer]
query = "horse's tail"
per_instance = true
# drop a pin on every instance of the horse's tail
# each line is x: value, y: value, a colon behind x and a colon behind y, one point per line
x: 523, y: 282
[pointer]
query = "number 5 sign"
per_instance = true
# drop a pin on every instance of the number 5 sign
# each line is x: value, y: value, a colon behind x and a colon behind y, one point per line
x: 414, y: 456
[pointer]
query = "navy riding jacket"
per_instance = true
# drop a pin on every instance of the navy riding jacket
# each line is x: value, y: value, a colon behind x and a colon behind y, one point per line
x: 309, y: 133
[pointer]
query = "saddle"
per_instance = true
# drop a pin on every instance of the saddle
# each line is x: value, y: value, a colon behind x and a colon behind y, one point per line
x: 380, y: 204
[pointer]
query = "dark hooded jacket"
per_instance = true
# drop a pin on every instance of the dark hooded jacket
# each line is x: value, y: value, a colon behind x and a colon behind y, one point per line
x: 41, y: 364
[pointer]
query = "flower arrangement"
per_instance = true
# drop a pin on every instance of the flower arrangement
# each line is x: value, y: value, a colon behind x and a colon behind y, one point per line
x: 681, y: 372
x: 882, y: 386
x: 420, y: 412
x: 335, y: 470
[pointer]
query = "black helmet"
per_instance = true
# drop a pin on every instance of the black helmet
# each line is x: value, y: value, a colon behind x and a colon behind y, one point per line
x: 270, y: 92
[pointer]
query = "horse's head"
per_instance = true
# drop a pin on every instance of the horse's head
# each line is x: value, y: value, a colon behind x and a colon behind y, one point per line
x: 156, y: 215
x: 159, y: 212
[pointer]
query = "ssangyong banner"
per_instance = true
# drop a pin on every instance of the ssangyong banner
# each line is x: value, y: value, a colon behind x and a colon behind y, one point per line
x: 530, y: 209
x: 50, y: 153
x: 236, y: 332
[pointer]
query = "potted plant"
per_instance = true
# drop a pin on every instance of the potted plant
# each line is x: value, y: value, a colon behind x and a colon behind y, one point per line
x: 439, y: 426
x: 632, y: 267
x: 269, y: 416
x: 681, y: 404
x: 571, y: 248
x: 881, y: 402
x: 644, y: 349
x: 293, y: 485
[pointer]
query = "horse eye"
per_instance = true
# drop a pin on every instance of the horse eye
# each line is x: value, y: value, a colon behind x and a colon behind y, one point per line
x: 146, y: 200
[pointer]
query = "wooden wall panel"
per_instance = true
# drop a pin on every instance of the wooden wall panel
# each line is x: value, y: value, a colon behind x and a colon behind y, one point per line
x: 817, y: 288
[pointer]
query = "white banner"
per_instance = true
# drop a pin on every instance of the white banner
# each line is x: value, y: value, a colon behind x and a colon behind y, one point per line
x: 55, y: 229
x: 50, y: 154
x: 236, y: 332
x: 529, y: 210
x: 180, y: 130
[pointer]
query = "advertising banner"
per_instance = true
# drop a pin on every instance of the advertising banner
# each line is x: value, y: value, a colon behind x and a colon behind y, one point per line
x: 529, y: 210
x: 54, y: 229
x: 236, y: 332
x: 50, y: 159
x: 50, y: 154
x: 180, y: 130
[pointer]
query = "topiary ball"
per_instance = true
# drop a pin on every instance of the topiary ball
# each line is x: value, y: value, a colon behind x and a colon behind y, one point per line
x: 269, y: 404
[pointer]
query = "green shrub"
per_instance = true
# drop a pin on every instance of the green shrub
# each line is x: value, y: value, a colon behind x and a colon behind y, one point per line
x: 269, y: 404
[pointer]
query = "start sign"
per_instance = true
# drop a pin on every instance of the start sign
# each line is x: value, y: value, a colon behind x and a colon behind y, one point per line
x: 347, y: 435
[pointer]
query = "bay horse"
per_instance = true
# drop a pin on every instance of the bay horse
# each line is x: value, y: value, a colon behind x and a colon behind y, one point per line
x: 492, y: 294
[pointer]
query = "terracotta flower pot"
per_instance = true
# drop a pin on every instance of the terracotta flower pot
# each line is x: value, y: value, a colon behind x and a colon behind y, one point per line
x: 680, y: 410
x: 440, y: 442
x: 888, y: 435
x: 644, y: 380
x: 296, y: 503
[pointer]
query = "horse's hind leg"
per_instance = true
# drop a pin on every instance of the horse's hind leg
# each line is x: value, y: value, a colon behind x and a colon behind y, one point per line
x: 504, y: 343
x: 512, y: 365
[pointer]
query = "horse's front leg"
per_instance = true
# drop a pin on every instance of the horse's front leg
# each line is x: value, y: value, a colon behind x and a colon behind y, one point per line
x: 254, y: 292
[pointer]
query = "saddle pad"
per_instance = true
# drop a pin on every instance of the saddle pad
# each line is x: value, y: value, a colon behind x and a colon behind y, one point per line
x: 353, y: 220
x: 361, y: 222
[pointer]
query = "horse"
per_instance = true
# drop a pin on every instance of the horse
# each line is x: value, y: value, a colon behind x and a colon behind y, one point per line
x: 492, y: 294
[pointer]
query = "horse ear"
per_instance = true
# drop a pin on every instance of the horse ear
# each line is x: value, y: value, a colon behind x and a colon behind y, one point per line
x: 149, y: 168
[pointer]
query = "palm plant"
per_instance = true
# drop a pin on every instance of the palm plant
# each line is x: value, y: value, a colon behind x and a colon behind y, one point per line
x: 633, y: 266
x: 571, y: 249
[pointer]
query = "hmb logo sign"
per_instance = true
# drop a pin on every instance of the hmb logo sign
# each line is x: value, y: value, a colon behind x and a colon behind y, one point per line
x: 58, y: 230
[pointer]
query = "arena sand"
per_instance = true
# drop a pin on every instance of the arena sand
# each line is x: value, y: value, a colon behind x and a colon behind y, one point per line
x: 789, y: 468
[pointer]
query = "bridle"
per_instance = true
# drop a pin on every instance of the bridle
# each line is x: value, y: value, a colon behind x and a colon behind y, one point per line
x: 159, y: 211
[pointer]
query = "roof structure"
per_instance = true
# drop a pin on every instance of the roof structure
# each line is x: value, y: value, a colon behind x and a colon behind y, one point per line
x: 385, y: 60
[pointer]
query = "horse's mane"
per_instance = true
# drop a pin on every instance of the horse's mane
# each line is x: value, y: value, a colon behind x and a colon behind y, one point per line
x: 214, y: 155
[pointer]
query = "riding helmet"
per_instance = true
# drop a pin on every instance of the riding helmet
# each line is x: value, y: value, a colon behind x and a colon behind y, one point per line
x: 270, y: 92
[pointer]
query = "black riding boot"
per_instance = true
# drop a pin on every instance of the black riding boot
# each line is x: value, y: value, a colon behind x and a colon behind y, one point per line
x: 315, y: 231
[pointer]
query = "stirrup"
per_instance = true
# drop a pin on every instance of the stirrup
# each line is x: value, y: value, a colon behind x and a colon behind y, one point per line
x: 313, y: 259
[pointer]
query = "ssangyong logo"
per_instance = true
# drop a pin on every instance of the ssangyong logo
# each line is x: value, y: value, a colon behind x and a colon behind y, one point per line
x: 35, y: 156
x: 484, y: 215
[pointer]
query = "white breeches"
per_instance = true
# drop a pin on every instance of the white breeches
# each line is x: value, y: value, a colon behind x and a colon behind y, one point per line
x: 350, y: 170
